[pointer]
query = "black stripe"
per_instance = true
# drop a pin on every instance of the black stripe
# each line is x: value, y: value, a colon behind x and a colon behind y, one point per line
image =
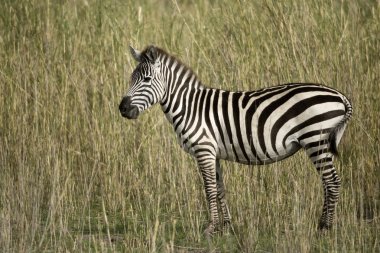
x: 315, y: 144
x: 314, y: 133
x: 207, y: 113
x: 176, y: 69
x: 330, y: 173
x: 181, y: 113
x: 193, y: 94
x: 313, y: 120
x: 177, y: 102
x: 319, y: 152
x: 168, y: 95
x: 236, y: 116
x: 252, y: 94
x: 274, y: 105
x: 251, y: 111
x: 198, y: 114
x: 169, y: 63
x: 181, y: 76
x: 323, y: 160
x: 198, y: 142
x: 216, y: 117
x: 329, y: 166
x: 296, y: 110
x: 227, y: 125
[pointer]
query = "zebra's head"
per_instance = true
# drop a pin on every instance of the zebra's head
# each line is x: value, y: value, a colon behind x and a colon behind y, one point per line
x: 147, y: 85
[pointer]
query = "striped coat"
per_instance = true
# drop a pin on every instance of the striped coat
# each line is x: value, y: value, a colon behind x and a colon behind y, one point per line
x: 253, y: 127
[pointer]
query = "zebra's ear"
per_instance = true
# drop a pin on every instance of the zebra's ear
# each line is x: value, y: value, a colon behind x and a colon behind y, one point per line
x: 136, y: 54
x: 151, y: 54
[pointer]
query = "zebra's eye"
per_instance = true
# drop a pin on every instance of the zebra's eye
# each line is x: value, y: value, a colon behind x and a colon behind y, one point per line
x: 147, y: 79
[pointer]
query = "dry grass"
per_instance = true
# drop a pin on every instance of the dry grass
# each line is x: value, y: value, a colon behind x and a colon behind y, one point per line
x: 75, y: 176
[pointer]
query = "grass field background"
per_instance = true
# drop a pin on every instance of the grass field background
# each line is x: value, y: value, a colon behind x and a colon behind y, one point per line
x: 77, y: 177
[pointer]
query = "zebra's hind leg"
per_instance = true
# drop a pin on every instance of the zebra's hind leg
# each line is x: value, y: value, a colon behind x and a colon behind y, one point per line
x: 206, y: 164
x: 322, y: 159
x: 222, y: 198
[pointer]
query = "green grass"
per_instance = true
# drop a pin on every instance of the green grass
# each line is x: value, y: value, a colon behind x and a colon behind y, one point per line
x: 77, y: 177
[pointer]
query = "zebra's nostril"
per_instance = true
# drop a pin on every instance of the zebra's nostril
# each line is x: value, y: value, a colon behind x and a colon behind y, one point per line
x: 124, y: 104
x: 122, y: 107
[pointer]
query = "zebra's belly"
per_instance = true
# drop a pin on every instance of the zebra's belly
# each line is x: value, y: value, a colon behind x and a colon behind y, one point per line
x: 245, y: 154
x: 235, y: 154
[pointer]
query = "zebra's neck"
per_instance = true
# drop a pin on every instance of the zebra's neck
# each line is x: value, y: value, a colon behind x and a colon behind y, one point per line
x: 180, y: 81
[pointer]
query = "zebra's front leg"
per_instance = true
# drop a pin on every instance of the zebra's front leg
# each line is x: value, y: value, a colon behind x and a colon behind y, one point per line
x: 221, y: 197
x: 206, y: 164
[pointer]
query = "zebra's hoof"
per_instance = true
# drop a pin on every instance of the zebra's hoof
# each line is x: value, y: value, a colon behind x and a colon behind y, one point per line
x: 210, y: 230
x: 323, y: 226
x: 226, y: 228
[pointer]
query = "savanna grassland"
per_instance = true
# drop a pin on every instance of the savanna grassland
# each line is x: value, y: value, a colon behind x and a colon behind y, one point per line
x: 77, y: 177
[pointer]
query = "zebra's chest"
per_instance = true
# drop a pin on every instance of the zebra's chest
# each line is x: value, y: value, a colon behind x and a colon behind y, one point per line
x: 221, y: 148
x: 191, y: 141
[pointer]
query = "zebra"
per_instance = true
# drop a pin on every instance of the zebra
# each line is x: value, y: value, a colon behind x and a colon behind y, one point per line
x: 249, y: 127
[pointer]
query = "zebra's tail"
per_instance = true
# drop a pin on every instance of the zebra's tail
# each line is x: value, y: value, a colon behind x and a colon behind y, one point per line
x: 337, y: 132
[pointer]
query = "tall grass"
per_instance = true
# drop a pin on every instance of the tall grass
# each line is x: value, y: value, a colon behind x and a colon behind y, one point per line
x: 75, y: 176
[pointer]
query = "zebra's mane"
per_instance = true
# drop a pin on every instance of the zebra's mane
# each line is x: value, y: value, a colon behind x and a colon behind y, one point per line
x: 169, y: 59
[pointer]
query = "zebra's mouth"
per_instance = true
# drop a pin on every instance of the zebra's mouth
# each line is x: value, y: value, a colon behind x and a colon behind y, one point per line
x: 127, y: 110
x: 130, y: 114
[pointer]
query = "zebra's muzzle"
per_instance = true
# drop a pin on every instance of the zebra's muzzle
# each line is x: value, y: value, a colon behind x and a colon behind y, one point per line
x: 128, y: 110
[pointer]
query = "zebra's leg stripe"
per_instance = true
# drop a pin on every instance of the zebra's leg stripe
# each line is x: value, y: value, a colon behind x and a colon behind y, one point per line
x: 221, y: 196
x: 331, y: 184
x: 208, y: 170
